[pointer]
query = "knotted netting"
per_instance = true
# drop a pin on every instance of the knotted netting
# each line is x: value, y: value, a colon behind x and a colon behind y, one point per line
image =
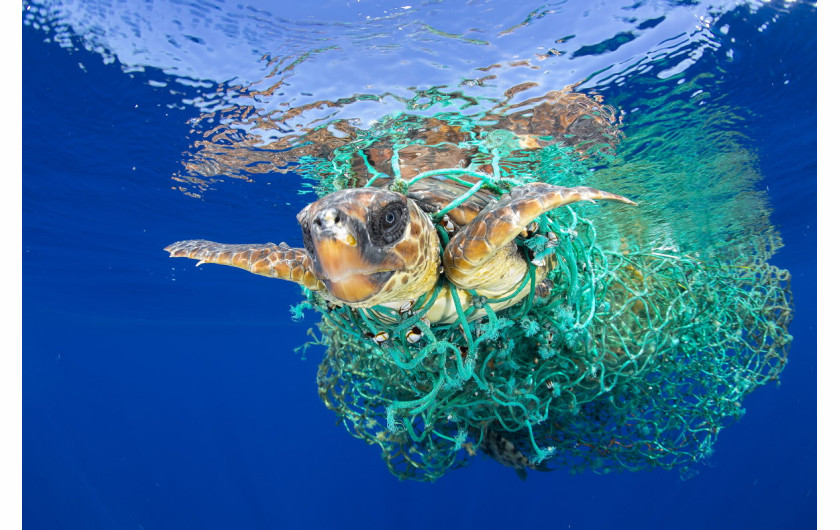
x: 636, y: 357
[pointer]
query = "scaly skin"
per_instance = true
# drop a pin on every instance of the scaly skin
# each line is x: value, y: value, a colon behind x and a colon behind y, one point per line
x: 481, y: 255
x: 275, y: 261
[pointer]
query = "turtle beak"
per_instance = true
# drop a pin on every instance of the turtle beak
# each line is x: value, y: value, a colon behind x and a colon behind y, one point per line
x: 334, y: 243
x: 339, y: 259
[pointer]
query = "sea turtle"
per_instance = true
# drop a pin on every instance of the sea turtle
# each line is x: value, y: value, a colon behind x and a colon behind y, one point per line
x: 371, y: 246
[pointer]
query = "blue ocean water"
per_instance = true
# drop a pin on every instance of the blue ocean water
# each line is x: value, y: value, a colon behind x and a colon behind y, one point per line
x: 160, y: 395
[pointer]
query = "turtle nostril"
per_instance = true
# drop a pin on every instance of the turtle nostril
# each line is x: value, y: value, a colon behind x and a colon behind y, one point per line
x: 332, y: 217
x: 327, y: 219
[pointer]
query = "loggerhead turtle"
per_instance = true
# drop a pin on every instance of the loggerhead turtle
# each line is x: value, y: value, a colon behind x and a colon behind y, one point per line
x: 372, y: 246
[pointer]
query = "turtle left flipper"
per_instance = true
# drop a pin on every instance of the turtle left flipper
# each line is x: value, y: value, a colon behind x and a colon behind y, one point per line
x: 482, y: 256
x: 276, y: 261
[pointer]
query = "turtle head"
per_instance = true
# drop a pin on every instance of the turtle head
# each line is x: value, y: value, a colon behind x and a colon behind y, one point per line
x: 370, y: 246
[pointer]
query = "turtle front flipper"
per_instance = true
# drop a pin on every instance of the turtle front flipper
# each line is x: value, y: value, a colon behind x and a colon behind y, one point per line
x: 483, y: 256
x: 276, y: 261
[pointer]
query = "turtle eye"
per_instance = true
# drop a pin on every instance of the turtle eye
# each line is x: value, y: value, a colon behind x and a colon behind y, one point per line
x: 388, y: 224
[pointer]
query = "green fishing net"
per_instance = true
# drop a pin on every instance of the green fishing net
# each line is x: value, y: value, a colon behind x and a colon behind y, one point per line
x: 636, y: 358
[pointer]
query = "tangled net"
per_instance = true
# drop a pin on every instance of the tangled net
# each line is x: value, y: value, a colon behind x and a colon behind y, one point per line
x: 637, y: 358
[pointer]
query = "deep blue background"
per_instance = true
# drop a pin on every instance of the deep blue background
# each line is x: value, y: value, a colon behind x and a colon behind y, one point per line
x: 161, y: 397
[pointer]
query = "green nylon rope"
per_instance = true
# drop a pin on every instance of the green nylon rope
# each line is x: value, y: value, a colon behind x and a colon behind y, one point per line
x: 636, y: 359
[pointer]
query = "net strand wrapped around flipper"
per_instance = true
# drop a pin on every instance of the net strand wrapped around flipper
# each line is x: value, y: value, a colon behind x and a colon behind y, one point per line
x: 636, y: 358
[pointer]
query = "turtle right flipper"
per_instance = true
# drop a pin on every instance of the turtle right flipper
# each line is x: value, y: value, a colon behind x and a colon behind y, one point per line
x: 276, y: 261
x: 482, y: 255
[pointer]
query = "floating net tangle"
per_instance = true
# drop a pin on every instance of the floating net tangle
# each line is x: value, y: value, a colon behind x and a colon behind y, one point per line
x: 635, y: 359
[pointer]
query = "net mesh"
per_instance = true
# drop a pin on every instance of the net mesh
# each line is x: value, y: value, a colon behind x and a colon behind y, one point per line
x: 636, y: 358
